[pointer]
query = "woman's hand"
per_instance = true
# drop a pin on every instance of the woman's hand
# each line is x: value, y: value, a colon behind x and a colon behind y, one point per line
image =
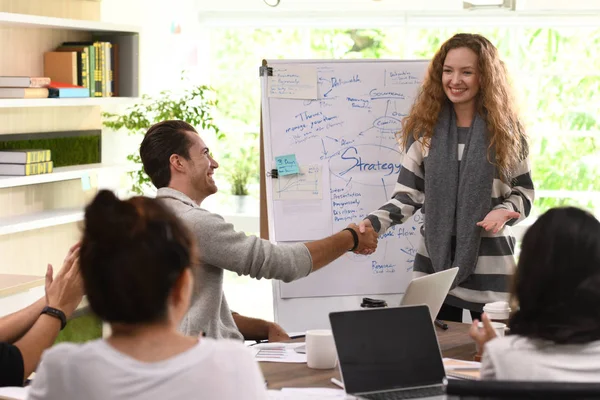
x: 66, y: 290
x: 496, y: 219
x: 482, y: 336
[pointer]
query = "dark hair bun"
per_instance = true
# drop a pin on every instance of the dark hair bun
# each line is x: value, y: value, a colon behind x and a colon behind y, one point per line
x: 132, y: 254
x: 108, y: 219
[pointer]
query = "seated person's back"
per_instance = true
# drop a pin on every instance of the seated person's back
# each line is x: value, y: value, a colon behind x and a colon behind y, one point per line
x: 136, y: 261
x: 555, y: 331
x: 218, y: 369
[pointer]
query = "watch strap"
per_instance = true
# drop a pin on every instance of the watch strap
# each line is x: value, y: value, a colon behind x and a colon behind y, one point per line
x: 56, y: 313
x: 354, y: 236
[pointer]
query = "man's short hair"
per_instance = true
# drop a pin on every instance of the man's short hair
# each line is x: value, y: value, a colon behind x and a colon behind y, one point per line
x: 160, y: 142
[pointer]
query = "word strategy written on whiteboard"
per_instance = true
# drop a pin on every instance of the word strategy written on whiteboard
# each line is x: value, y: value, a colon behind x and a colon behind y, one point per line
x: 350, y: 132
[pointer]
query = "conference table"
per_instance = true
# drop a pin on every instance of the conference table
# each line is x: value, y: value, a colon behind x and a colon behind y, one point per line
x: 454, y: 343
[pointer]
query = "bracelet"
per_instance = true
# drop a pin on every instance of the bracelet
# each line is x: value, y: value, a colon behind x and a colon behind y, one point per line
x: 354, y: 235
x: 56, y: 313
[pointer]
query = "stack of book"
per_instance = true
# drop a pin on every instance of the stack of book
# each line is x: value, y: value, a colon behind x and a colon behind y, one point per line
x: 23, y: 87
x: 25, y: 162
x: 91, y: 65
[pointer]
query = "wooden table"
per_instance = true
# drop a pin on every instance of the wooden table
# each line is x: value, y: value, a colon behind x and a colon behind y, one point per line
x: 454, y: 343
x: 11, y: 284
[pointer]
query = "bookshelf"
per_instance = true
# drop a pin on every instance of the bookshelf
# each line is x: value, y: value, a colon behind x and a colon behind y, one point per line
x: 32, y: 35
x: 36, y: 21
x: 39, y: 220
x: 73, y: 102
x: 64, y: 174
x: 39, y: 214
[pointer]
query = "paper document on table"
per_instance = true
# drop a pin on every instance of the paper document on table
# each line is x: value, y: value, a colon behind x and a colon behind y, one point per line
x: 14, y: 393
x: 293, y: 82
x: 278, y: 352
x: 309, y: 394
x: 305, y: 185
x: 462, y: 369
x: 303, y: 202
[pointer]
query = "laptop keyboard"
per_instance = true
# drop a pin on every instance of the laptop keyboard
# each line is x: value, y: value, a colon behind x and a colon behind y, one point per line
x: 405, y: 394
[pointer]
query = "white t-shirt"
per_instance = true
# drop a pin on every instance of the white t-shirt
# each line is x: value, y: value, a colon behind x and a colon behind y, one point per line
x: 516, y: 357
x: 223, y: 370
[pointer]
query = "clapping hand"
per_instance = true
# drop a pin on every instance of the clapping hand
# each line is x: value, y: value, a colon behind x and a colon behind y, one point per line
x: 367, y: 237
x: 496, y: 219
x: 66, y: 290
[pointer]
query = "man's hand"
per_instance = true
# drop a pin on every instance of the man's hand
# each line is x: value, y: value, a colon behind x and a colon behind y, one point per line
x: 367, y: 238
x: 482, y: 336
x: 66, y: 290
x: 496, y: 219
x: 276, y: 333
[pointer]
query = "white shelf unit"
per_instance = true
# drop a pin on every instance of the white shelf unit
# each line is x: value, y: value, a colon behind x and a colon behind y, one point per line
x: 39, y: 220
x: 64, y: 174
x: 126, y: 36
x: 67, y: 102
x: 35, y: 21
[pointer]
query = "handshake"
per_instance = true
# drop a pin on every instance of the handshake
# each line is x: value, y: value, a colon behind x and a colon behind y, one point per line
x: 367, y: 237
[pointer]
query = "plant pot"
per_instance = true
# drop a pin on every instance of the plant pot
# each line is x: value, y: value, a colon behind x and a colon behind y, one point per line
x: 241, y: 204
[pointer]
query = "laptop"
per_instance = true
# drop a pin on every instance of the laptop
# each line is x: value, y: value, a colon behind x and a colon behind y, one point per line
x: 430, y: 289
x: 389, y: 353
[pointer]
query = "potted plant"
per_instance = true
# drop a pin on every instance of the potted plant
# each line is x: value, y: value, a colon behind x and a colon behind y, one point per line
x: 240, y: 166
x: 194, y: 105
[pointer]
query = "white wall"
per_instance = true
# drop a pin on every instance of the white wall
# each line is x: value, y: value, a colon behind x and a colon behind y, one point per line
x: 163, y: 55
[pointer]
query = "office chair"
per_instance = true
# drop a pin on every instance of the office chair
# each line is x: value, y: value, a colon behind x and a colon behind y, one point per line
x: 464, y: 389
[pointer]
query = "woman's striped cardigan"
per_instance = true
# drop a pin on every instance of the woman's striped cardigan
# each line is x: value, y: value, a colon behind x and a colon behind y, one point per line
x: 490, y: 280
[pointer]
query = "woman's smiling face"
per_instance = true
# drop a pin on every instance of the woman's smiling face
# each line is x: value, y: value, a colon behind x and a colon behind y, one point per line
x: 460, y: 75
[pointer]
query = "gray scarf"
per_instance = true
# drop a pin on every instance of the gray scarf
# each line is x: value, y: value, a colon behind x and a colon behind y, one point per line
x: 456, y: 199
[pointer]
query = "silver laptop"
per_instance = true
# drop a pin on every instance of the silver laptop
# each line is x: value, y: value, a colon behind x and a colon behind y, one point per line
x: 430, y: 290
x: 389, y: 353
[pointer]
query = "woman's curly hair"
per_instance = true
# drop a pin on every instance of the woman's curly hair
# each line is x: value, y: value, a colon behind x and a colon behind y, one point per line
x: 494, y: 102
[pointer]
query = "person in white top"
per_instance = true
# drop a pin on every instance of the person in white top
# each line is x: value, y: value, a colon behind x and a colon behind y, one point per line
x: 555, y: 331
x: 136, y: 261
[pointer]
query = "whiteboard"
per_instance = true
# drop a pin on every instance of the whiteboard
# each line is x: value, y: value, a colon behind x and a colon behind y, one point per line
x: 344, y: 143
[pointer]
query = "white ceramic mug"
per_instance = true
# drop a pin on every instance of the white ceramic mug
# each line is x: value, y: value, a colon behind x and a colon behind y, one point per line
x: 320, y: 349
x: 499, y: 327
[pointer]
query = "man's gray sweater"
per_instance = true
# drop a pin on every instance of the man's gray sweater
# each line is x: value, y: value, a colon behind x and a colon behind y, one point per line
x: 221, y: 247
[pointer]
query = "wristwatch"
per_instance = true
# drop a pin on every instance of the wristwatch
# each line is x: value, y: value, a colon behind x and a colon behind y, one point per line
x: 56, y: 313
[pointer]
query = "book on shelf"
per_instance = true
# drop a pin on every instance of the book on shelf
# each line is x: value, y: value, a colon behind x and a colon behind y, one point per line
x: 23, y: 93
x: 26, y: 169
x: 62, y: 66
x: 65, y: 90
x: 101, y: 66
x: 87, y: 63
x: 23, y: 82
x: 24, y: 156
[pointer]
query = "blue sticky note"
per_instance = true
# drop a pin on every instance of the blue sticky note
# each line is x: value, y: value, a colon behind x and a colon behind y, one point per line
x: 86, y: 184
x: 287, y: 165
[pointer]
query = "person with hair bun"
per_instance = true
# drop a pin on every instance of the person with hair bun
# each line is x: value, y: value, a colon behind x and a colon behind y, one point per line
x: 555, y: 330
x: 137, y: 263
x: 466, y: 168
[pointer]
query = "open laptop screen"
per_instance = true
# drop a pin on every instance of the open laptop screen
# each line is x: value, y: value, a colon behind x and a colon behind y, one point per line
x: 388, y: 348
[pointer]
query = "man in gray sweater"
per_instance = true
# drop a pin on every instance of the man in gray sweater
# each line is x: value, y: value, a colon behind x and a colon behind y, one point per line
x: 181, y: 167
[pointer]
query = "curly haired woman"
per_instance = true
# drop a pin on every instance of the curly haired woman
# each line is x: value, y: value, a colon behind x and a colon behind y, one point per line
x: 466, y: 168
